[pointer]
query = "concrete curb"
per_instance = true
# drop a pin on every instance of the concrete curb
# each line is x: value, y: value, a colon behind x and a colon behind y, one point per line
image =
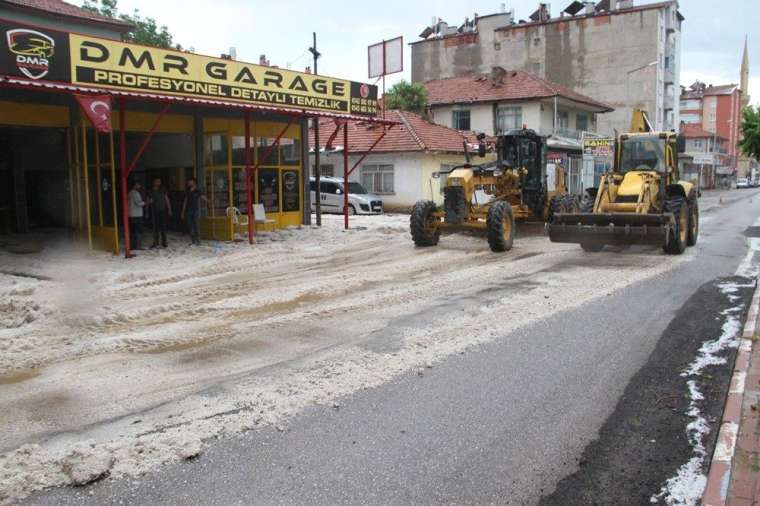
x: 719, y: 478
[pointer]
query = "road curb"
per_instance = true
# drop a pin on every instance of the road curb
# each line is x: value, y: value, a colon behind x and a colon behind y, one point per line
x: 719, y: 477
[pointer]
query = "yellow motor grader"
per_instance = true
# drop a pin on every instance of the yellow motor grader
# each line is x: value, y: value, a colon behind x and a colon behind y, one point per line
x: 640, y: 201
x: 514, y: 187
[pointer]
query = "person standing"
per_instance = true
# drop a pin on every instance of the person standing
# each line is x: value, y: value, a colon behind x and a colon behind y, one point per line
x: 191, y: 210
x: 136, y: 207
x: 160, y: 212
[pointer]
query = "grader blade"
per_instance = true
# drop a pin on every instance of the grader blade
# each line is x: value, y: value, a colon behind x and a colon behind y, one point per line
x: 616, y: 229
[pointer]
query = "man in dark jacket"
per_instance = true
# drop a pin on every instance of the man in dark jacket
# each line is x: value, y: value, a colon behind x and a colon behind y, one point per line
x: 191, y: 210
x: 160, y: 211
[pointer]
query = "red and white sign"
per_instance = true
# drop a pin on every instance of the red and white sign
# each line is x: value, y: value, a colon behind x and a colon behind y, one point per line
x: 98, y: 109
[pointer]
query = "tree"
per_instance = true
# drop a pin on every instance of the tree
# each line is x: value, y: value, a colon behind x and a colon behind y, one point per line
x: 750, y: 142
x: 406, y: 96
x: 146, y: 30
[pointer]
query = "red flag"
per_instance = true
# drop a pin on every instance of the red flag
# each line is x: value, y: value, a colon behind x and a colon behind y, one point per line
x: 98, y: 109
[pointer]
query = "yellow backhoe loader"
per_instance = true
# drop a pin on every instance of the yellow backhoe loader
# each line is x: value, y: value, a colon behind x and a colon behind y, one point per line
x: 490, y: 197
x: 641, y: 201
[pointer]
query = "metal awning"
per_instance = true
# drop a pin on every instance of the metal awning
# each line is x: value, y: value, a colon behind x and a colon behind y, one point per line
x: 70, y: 88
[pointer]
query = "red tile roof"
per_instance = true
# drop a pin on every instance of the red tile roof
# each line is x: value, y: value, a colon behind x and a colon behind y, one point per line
x: 695, y: 131
x: 516, y: 85
x: 723, y: 89
x: 60, y: 8
x: 414, y: 134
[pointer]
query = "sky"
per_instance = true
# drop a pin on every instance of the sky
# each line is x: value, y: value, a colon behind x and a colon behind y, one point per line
x: 713, y: 32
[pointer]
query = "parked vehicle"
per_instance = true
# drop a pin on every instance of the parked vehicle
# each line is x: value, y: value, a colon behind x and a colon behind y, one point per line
x: 360, y: 201
x: 742, y: 182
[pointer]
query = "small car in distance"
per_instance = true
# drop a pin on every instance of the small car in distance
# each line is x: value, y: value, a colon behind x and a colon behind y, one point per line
x: 360, y: 201
x: 742, y: 182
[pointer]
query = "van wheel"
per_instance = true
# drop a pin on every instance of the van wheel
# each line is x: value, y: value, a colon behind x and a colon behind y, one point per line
x: 351, y: 210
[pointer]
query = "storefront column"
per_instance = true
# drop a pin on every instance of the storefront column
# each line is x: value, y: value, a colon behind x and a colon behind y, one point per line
x: 19, y: 189
x: 200, y: 169
x: 306, y: 172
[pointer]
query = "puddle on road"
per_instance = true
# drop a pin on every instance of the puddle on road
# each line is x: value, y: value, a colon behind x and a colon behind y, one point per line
x: 19, y: 377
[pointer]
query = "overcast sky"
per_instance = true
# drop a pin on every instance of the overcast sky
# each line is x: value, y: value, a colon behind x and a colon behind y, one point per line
x: 713, y: 32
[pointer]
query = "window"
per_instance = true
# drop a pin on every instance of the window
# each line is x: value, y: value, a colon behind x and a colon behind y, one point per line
x: 329, y: 187
x: 581, y: 122
x: 563, y: 119
x: 215, y: 149
x: 238, y: 150
x: 378, y: 178
x: 698, y: 143
x: 460, y: 120
x: 291, y: 151
x: 508, y: 118
x: 327, y: 169
x: 269, y: 182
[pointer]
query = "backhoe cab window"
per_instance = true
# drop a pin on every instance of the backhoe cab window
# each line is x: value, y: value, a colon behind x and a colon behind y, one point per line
x: 643, y: 154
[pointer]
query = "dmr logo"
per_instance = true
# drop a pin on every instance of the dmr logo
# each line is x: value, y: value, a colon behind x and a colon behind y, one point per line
x: 33, y: 51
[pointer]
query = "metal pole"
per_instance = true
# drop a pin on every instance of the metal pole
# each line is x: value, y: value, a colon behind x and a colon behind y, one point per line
x: 248, y: 189
x: 88, y: 214
x: 384, y: 71
x: 345, y: 175
x: 317, y: 168
x: 124, y: 177
x: 115, y: 213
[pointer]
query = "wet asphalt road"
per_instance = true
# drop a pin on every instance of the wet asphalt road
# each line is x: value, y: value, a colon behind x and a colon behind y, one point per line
x: 500, y: 424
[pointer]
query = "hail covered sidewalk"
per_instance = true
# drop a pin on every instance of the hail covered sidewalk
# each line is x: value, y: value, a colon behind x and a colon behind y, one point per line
x: 734, y: 478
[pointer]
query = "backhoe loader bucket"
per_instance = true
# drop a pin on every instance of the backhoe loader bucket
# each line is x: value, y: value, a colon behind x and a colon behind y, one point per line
x: 616, y: 229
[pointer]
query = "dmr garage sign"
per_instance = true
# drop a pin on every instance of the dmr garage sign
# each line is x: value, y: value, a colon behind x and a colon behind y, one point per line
x: 42, y: 54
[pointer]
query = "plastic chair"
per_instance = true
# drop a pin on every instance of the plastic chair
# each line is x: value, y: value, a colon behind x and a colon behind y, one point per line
x: 260, y: 216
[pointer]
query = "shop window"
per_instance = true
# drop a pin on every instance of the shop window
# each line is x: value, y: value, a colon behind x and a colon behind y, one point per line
x: 508, y: 118
x: 268, y: 189
x: 291, y: 151
x: 378, y: 178
x: 217, y: 189
x: 263, y: 148
x: 460, y: 120
x: 239, y: 192
x: 291, y: 191
x: 238, y: 150
x: 215, y: 149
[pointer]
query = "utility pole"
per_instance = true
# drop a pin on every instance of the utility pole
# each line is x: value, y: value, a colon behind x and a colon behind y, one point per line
x: 317, y: 168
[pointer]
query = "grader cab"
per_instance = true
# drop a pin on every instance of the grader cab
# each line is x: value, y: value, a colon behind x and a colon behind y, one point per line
x: 491, y: 197
x: 641, y: 201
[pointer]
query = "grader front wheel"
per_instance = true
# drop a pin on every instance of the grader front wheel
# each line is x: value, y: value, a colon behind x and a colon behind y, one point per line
x: 423, y: 224
x: 501, y: 227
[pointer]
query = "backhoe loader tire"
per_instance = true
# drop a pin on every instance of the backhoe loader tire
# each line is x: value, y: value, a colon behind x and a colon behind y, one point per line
x: 556, y: 206
x: 592, y: 247
x: 424, y: 234
x: 571, y: 204
x: 679, y: 235
x: 693, y: 220
x: 501, y: 227
x: 587, y: 204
